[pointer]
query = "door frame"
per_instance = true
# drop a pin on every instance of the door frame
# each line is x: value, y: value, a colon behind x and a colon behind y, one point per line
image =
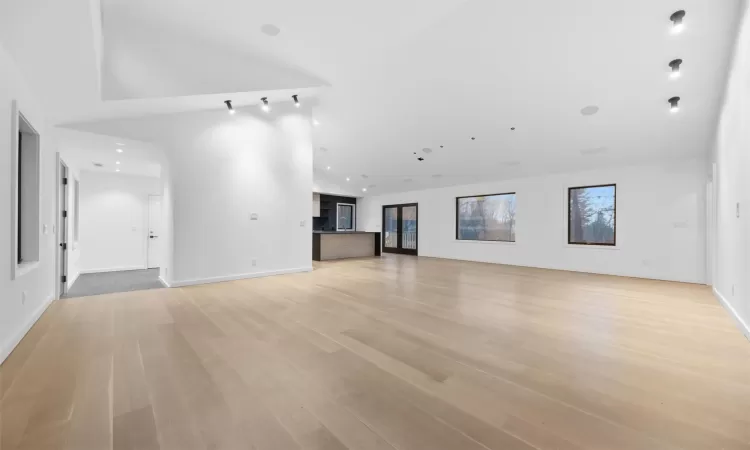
x: 62, y: 249
x: 399, y: 222
x: 160, y: 248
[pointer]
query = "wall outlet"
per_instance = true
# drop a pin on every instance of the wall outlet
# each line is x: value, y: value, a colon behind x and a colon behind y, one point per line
x: 302, y: 223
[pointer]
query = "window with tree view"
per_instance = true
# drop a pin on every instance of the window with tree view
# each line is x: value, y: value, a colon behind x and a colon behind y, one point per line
x: 486, y: 218
x: 591, y: 215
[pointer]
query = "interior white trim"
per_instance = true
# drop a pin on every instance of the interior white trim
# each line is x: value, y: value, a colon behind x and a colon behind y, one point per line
x: 113, y: 269
x: 239, y: 276
x: 7, y: 347
x: 164, y: 282
x: 744, y: 327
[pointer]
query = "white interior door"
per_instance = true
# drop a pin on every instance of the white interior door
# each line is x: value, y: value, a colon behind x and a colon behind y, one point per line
x: 155, y: 240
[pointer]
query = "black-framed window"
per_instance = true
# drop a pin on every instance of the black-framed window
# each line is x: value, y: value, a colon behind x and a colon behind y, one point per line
x: 486, y: 217
x: 592, y: 215
x: 345, y: 216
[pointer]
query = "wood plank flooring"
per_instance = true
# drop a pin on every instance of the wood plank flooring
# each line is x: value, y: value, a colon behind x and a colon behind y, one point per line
x: 391, y: 353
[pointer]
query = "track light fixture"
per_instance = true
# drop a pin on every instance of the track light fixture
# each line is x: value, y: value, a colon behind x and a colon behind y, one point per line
x: 265, y: 107
x: 296, y: 100
x: 677, y: 18
x: 229, y: 106
x: 675, y: 65
x: 674, y: 104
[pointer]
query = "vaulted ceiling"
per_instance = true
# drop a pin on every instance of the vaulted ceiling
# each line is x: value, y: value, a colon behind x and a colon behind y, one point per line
x: 393, y: 81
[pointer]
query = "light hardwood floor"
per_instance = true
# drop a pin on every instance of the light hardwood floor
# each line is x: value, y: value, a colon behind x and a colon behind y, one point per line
x: 391, y: 353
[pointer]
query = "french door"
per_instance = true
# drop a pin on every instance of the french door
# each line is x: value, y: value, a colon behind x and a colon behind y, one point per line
x: 400, y: 228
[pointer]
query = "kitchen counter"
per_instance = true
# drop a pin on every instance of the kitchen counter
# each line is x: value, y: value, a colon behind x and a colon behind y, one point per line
x: 329, y: 245
x: 344, y: 232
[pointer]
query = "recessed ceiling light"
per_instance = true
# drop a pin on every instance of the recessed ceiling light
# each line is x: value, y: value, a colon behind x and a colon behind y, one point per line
x: 328, y: 168
x: 364, y: 189
x: 270, y: 30
x: 117, y: 170
x: 347, y: 178
x: 677, y: 21
x: 229, y: 106
x: 265, y: 106
x: 119, y: 150
x: 675, y: 65
x: 589, y: 110
x: 315, y: 122
x: 674, y: 104
x: 118, y: 162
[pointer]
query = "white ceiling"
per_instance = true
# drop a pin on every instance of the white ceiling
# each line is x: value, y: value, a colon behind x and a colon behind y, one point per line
x: 393, y: 77
x: 81, y: 151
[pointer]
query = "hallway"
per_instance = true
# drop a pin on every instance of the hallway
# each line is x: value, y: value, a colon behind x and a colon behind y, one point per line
x: 113, y: 282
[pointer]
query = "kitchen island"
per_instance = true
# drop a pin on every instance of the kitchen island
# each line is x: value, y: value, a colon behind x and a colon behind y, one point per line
x: 329, y: 245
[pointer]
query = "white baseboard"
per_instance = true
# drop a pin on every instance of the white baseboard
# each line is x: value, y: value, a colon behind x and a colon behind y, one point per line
x: 239, y: 277
x: 744, y: 326
x: 164, y: 282
x: 112, y: 269
x: 10, y: 345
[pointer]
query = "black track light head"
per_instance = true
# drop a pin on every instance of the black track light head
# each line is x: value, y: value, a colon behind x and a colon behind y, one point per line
x: 230, y: 108
x: 674, y: 104
x: 296, y: 100
x: 265, y: 106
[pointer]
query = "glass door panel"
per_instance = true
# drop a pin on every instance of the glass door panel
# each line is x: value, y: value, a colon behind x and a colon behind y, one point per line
x: 390, y: 227
x: 409, y: 227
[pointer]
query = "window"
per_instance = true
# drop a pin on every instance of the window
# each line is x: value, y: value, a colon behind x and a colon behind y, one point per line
x: 345, y: 216
x: 591, y: 215
x: 486, y: 218
x: 25, y: 209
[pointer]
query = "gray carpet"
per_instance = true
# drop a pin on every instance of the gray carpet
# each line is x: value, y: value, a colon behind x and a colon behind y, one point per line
x: 111, y: 282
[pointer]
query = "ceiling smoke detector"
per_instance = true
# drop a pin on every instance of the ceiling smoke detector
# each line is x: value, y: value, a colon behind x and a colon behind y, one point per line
x: 589, y: 110
x: 270, y: 29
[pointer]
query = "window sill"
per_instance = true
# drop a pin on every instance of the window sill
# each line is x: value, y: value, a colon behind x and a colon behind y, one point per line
x: 592, y: 246
x: 469, y: 241
x: 25, y: 268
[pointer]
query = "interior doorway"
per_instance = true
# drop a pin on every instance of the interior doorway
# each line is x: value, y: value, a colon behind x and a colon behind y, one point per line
x: 400, y: 228
x: 155, y: 250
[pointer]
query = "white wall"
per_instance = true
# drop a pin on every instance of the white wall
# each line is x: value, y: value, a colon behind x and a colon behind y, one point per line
x: 732, y: 158
x: 17, y: 314
x: 114, y: 221
x: 660, y: 222
x: 223, y: 168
